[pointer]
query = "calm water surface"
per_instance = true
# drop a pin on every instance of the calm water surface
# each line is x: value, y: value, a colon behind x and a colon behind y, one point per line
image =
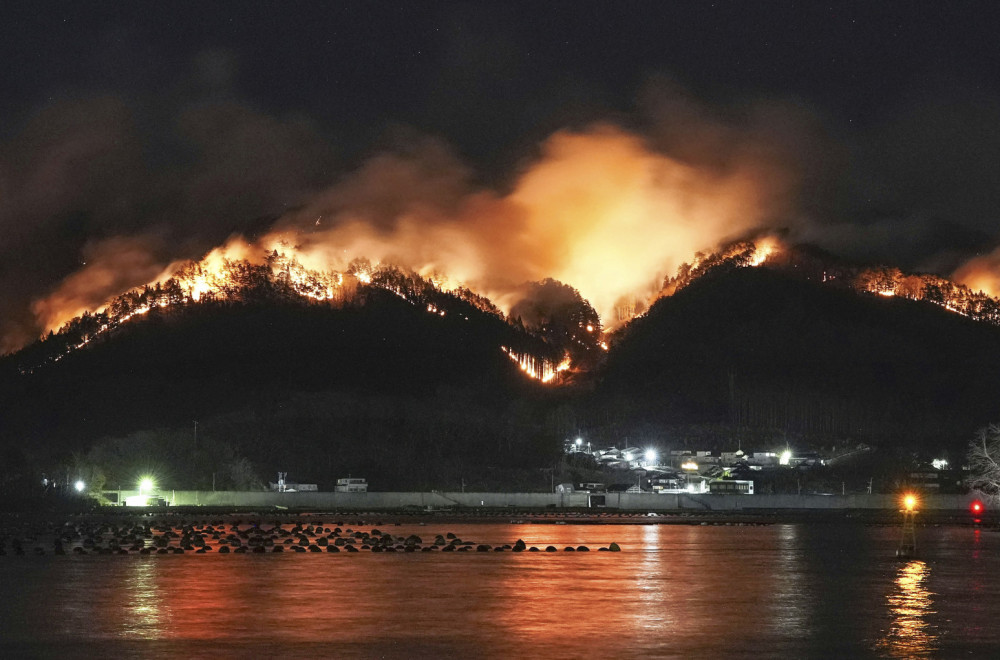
x: 784, y: 590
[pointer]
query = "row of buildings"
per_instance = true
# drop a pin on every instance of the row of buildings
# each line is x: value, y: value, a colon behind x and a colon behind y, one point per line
x: 682, y: 470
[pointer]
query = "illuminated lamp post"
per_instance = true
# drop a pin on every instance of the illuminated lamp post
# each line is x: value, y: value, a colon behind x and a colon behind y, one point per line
x: 908, y: 543
x: 690, y: 468
x: 146, y: 487
x: 79, y: 485
x: 145, y: 490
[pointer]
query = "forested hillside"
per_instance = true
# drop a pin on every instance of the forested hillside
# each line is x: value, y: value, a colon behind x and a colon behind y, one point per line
x: 760, y: 350
x: 413, y: 387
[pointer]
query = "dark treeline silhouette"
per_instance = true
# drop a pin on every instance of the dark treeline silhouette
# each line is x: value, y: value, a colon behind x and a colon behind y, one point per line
x: 404, y: 387
x: 755, y: 349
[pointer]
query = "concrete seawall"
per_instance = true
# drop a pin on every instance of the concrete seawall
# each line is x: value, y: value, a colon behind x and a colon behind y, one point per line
x: 620, y: 501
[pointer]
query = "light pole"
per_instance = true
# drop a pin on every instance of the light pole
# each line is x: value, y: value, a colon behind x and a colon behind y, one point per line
x: 650, y: 457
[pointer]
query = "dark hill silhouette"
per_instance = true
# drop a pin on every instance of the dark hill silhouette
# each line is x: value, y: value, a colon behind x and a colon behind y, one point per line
x: 375, y: 361
x: 382, y: 385
x: 759, y: 348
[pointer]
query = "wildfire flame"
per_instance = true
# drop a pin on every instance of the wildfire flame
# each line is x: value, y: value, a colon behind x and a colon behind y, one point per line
x: 227, y: 272
x: 538, y: 368
x: 763, y: 249
x: 599, y: 210
x: 231, y: 271
x: 981, y: 273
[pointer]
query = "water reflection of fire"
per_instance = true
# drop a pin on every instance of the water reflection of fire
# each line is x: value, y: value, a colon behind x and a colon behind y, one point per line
x: 910, y: 634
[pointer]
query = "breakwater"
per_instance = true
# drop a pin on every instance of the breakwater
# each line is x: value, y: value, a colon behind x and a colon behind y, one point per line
x: 633, y: 502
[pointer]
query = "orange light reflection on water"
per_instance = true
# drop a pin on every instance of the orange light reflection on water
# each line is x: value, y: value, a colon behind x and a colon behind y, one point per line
x: 910, y: 634
x: 683, y: 581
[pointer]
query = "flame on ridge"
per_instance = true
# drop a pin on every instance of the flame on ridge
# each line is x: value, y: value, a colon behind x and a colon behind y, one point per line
x: 225, y: 271
x: 537, y: 368
x: 600, y: 210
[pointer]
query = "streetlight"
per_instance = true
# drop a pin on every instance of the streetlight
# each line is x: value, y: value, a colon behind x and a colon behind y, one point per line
x: 79, y: 485
x: 690, y: 471
x: 650, y: 457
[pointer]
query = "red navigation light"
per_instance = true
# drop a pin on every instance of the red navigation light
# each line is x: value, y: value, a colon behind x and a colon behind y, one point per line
x: 976, y: 507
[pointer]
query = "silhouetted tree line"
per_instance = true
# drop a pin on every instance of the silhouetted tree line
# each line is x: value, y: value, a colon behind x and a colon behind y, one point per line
x: 566, y: 321
x: 757, y: 349
x: 279, y: 280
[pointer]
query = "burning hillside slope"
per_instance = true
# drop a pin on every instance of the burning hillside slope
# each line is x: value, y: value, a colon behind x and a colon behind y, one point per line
x: 805, y: 263
x: 240, y: 272
x: 237, y: 274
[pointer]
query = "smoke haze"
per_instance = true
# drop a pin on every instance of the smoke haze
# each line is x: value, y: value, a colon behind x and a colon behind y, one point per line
x: 103, y: 193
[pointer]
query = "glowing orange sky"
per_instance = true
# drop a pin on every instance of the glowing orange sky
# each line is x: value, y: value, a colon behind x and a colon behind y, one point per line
x: 598, y: 210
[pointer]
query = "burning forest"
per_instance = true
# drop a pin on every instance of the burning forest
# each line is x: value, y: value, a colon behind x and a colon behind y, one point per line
x: 618, y: 217
x: 236, y: 275
x: 587, y: 235
x: 560, y: 332
x: 802, y: 262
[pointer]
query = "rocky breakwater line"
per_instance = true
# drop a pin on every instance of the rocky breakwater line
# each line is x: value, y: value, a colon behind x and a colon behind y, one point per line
x: 142, y: 537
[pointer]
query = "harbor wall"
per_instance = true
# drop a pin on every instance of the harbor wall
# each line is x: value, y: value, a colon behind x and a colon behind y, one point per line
x: 620, y: 501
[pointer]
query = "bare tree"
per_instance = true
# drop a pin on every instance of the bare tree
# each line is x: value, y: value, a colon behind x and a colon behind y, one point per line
x: 243, y: 476
x: 984, y: 461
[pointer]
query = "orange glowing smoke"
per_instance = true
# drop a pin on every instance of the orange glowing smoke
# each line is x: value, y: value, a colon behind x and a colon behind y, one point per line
x: 110, y: 267
x: 981, y: 273
x: 611, y: 218
x: 599, y: 210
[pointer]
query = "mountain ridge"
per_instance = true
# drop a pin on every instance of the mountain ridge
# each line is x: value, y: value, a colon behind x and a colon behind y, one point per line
x: 384, y: 384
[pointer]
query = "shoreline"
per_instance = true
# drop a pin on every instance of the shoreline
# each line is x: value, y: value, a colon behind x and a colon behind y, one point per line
x: 518, y: 516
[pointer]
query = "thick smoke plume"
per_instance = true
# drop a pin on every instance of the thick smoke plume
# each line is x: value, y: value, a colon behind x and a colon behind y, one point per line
x: 110, y: 265
x: 981, y: 273
x: 599, y: 210
x: 91, y: 202
x: 609, y: 208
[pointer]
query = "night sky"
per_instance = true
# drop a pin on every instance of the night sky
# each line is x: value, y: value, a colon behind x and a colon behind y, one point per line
x: 177, y: 124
